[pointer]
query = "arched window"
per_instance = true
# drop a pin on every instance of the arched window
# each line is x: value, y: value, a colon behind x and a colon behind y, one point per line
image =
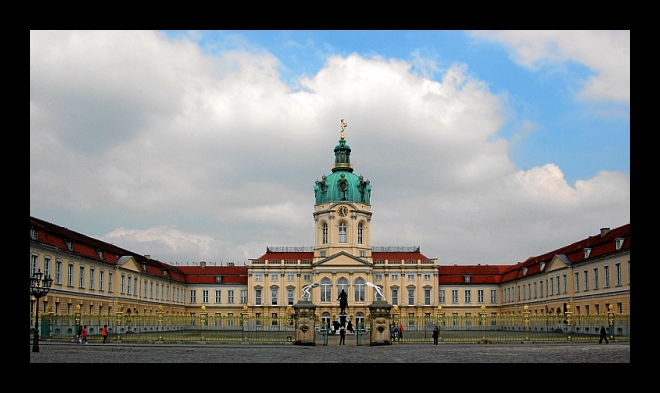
x: 359, y: 289
x: 342, y: 232
x: 342, y: 283
x: 325, y: 233
x: 360, y: 228
x: 326, y: 288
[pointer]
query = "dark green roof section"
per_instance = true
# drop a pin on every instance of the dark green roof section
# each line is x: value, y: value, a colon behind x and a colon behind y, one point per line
x: 342, y: 184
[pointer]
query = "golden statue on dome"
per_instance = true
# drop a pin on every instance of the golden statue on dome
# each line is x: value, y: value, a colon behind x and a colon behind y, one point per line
x: 343, y: 127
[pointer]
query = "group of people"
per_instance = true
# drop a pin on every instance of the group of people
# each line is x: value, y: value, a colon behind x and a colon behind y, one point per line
x: 396, y: 332
x: 82, y: 334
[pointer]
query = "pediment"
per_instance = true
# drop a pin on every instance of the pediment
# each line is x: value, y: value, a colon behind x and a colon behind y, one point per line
x: 559, y: 261
x: 129, y: 263
x: 342, y: 259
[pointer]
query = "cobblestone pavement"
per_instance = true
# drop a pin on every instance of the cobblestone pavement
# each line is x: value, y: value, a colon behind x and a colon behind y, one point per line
x: 57, y: 352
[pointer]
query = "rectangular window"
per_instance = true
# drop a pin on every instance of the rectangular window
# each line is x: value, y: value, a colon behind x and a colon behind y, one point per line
x: 468, y: 296
x: 110, y: 282
x: 135, y: 286
x: 441, y: 296
x: 307, y: 277
x: 257, y: 297
x: 595, y: 278
x: 157, y: 290
x: 454, y: 295
x: 552, y: 287
x: 394, y: 277
x: 480, y: 295
x: 230, y: 296
x: 565, y: 281
x: 411, y: 277
x: 46, y: 267
x: 586, y: 280
x: 91, y: 278
x: 81, y: 277
x: 577, y: 281
x: 151, y: 289
x: 205, y: 295
x: 34, y: 266
x: 427, y: 296
x: 102, y: 280
x: 274, y: 294
x: 395, y: 297
x: 243, y: 296
x: 379, y: 276
x: 258, y: 277
x: 193, y: 296
x: 541, y: 289
x: 290, y: 277
x: 411, y: 297
x: 606, y: 276
x: 218, y: 296
x: 617, y: 273
x: 290, y: 298
x: 427, y: 277
x: 145, y: 289
x: 535, y: 289
x: 58, y: 272
x: 493, y: 296
x: 128, y: 289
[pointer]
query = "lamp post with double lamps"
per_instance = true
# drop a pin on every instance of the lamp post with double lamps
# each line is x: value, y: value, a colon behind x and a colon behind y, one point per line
x: 38, y: 288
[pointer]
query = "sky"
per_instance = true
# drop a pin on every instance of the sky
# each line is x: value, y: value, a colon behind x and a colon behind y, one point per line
x: 482, y: 147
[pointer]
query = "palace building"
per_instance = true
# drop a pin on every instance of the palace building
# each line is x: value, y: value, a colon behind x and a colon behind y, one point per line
x: 590, y: 276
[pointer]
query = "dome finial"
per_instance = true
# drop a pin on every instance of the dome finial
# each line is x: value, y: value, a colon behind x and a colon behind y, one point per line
x: 343, y: 127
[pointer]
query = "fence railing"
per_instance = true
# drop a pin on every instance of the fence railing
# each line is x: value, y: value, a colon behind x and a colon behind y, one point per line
x: 194, y: 328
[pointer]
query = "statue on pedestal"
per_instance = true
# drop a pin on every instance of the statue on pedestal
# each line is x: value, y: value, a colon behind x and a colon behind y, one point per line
x: 343, y: 301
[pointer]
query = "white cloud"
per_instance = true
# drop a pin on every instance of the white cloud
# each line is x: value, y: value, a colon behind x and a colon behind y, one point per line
x: 209, y: 158
x: 605, y: 52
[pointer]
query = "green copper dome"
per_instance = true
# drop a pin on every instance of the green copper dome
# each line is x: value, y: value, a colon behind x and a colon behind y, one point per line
x: 342, y: 184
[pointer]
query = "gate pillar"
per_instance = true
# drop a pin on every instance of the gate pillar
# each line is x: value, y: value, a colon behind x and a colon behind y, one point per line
x: 380, y: 323
x: 305, y: 318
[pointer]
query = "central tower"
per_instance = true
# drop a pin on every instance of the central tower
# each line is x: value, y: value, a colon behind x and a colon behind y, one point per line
x: 342, y: 211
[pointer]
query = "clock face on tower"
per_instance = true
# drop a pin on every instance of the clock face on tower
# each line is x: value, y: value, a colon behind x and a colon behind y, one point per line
x: 343, y: 211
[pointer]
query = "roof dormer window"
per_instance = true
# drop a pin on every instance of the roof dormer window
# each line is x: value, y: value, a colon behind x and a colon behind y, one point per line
x: 33, y: 233
x: 466, y: 278
x: 542, y: 265
x: 100, y: 252
x: 69, y: 244
x: 144, y: 266
x: 619, y: 242
x: 524, y: 271
x: 587, y: 251
x: 218, y: 278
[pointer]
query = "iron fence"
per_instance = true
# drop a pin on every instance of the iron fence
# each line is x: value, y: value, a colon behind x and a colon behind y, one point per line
x: 254, y: 329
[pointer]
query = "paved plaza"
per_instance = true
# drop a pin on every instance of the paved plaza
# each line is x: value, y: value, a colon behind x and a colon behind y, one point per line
x: 59, y: 352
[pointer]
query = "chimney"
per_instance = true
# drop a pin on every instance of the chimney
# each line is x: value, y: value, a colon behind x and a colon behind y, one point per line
x: 148, y: 256
x: 230, y: 263
x: 202, y: 264
x: 604, y: 231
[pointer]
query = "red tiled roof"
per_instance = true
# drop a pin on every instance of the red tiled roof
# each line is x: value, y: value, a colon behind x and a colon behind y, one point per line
x: 287, y: 255
x: 85, y: 246
x: 397, y: 255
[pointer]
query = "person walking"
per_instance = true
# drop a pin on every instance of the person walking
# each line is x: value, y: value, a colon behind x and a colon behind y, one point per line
x: 603, y: 335
x: 84, y: 334
x: 435, y: 335
x: 104, y: 332
x: 79, y: 334
x: 342, y: 336
x: 401, y: 332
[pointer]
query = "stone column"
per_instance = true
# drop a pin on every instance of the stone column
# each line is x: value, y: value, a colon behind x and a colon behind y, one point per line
x: 380, y: 323
x: 305, y: 318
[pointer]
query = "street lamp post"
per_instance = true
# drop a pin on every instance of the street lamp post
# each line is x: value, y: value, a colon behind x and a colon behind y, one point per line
x: 38, y: 288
